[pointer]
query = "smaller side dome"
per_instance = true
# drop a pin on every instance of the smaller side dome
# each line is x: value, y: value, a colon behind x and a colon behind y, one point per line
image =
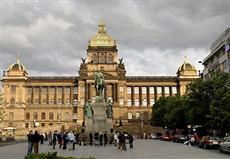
x: 186, y: 69
x: 186, y: 66
x: 17, y: 67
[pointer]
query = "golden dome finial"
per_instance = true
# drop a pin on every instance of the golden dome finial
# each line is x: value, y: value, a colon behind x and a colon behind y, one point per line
x: 102, y: 26
x: 18, y: 58
x: 102, y: 38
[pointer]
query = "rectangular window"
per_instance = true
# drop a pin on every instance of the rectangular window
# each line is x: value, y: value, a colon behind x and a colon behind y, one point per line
x: 59, y: 90
x: 44, y: 90
x: 129, y: 102
x: 36, y: 90
x: 159, y: 90
x: 136, y: 90
x: 82, y: 89
x: 129, y: 90
x: 174, y: 90
x: 67, y: 90
x: 52, y: 90
x: 144, y: 90
x: 75, y: 90
x: 166, y: 90
x: 29, y: 91
x: 151, y: 90
x: 13, y: 89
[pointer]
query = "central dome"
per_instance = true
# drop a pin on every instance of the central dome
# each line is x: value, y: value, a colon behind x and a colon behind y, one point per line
x: 102, y: 38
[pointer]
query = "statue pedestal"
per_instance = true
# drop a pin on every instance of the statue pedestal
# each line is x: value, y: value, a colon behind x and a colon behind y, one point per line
x: 99, y: 122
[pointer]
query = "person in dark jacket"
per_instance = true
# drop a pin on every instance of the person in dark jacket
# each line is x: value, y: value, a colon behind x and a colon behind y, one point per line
x: 65, y: 140
x: 54, y: 139
x: 101, y: 138
x: 90, y: 138
x: 36, y: 138
x: 96, y: 139
x: 30, y: 142
x: 105, y: 138
x: 42, y: 138
x: 130, y: 140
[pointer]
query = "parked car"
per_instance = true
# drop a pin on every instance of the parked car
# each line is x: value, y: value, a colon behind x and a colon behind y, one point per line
x: 166, y: 137
x: 209, y: 142
x: 225, y: 145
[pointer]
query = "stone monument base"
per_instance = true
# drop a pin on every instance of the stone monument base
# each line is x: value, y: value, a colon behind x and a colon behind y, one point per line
x: 99, y: 122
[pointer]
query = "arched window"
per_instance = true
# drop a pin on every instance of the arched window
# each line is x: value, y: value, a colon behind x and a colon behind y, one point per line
x: 58, y: 116
x: 130, y: 116
x: 110, y: 58
x: 43, y: 116
x: 36, y: 101
x: 144, y: 102
x: 35, y: 115
x: 59, y: 101
x: 94, y: 58
x: 51, y: 116
x: 27, y: 116
x: 12, y: 101
x: 102, y: 58
x: 137, y: 102
x: 11, y: 116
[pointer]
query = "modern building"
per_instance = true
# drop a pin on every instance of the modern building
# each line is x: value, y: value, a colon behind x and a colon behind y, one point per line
x: 49, y: 101
x: 219, y: 58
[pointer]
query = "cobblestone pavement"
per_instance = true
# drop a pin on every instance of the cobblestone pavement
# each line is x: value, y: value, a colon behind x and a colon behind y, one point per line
x: 143, y: 149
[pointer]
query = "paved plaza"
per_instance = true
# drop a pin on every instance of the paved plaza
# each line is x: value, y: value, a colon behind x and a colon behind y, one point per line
x: 144, y: 149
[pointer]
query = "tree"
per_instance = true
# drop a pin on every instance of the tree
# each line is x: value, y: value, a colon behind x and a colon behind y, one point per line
x: 170, y: 112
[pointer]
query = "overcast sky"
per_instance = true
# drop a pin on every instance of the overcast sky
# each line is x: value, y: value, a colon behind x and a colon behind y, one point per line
x: 152, y: 36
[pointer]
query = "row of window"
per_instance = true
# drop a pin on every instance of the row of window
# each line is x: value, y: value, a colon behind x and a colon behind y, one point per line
x: 137, y: 102
x: 137, y: 115
x: 43, y: 116
x: 159, y: 90
x: 102, y: 58
x: 51, y: 101
x: 51, y: 90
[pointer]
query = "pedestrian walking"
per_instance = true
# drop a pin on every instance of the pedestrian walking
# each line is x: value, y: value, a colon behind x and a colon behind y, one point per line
x: 90, y: 138
x: 105, y: 138
x: 30, y: 142
x: 65, y: 141
x: 96, y: 139
x: 54, y: 139
x: 71, y: 139
x: 130, y: 140
x: 35, y: 139
x: 60, y: 140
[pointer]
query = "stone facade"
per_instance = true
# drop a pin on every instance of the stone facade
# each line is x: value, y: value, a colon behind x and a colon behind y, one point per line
x: 59, y: 101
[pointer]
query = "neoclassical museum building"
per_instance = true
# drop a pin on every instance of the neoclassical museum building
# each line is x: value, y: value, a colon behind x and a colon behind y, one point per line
x: 52, y: 101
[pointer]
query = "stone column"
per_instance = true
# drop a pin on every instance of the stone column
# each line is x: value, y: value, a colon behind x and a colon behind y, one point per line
x: 32, y: 96
x: 132, y: 95
x: 140, y: 96
x: 170, y: 90
x: 48, y: 96
x: 113, y: 93
x: 155, y: 93
x: 40, y: 95
x: 163, y: 91
x: 116, y: 93
x: 55, y: 95
x: 148, y: 96
x: 71, y: 95
x: 63, y: 94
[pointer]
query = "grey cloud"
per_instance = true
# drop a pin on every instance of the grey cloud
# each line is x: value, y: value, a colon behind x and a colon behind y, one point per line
x: 52, y: 35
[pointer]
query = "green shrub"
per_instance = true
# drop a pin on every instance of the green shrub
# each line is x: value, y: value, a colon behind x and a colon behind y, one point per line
x: 53, y: 155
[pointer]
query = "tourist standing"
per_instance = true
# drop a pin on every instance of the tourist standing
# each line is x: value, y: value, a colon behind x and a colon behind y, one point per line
x: 101, y: 138
x: 96, y: 139
x: 130, y: 140
x: 35, y: 139
x: 65, y: 140
x: 54, y: 139
x: 90, y: 138
x: 49, y: 137
x: 105, y: 138
x: 30, y: 142
x: 59, y: 138
x: 71, y: 138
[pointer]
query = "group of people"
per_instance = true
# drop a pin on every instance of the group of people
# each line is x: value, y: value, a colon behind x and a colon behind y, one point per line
x: 62, y: 139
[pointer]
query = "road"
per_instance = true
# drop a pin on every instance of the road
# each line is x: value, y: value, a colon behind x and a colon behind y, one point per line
x: 143, y: 149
